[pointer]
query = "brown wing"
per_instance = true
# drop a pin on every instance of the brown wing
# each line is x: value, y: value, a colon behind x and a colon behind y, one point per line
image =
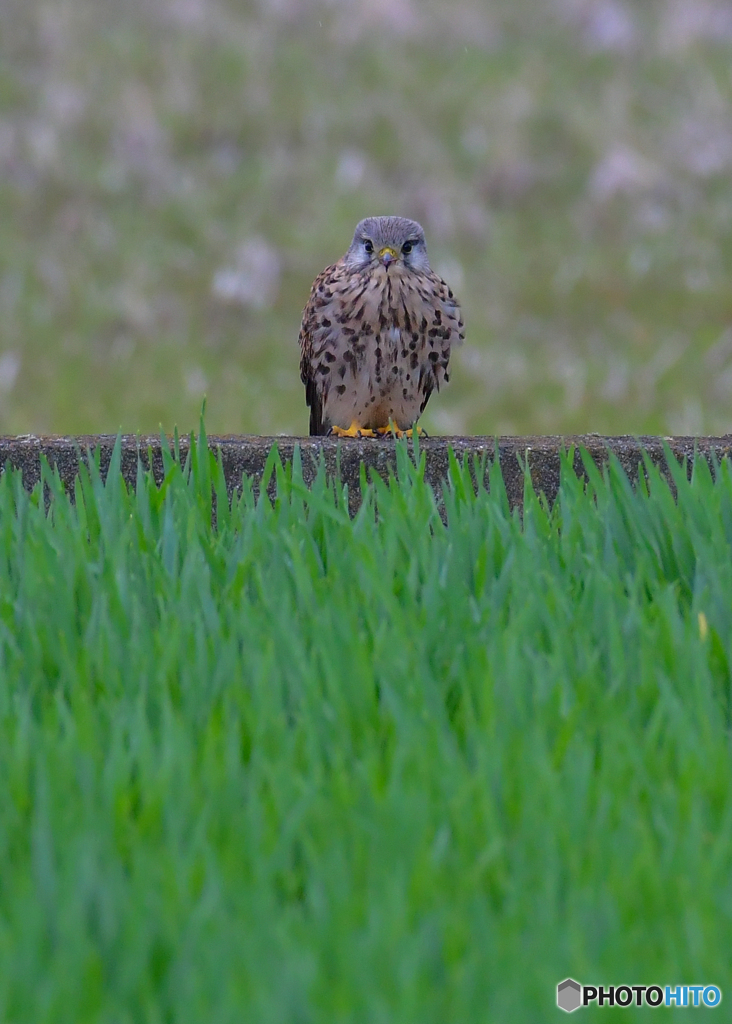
x: 449, y: 328
x: 314, y: 384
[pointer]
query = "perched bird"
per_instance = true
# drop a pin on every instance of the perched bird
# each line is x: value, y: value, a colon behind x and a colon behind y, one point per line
x: 376, y: 333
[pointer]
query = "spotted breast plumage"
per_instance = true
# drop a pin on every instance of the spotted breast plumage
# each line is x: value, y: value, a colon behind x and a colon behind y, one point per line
x: 376, y: 333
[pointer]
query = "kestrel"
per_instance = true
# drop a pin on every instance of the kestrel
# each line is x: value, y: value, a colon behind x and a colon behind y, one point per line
x: 376, y: 333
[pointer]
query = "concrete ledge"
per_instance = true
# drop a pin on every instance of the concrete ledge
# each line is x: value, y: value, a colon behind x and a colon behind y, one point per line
x: 244, y: 454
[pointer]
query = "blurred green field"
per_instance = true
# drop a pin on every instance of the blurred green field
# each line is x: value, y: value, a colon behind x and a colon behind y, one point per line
x: 173, y: 174
x: 307, y: 768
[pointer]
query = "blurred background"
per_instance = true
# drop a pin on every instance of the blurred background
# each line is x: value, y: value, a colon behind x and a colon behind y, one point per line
x: 174, y: 173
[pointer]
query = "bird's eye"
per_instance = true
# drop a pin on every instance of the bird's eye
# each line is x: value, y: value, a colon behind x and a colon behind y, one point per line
x: 407, y: 248
x: 368, y: 245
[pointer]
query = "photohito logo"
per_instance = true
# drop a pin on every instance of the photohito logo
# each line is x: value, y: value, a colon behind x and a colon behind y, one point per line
x: 571, y: 995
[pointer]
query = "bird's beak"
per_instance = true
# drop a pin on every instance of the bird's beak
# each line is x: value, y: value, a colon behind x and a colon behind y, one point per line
x: 387, y: 255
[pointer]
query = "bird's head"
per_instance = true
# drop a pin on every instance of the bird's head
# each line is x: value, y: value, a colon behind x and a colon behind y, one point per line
x: 388, y: 242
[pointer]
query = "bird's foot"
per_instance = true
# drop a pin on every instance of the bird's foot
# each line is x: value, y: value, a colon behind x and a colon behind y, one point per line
x: 353, y: 431
x: 392, y: 428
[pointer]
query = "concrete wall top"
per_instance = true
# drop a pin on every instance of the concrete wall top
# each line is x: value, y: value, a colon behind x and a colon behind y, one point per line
x: 245, y: 454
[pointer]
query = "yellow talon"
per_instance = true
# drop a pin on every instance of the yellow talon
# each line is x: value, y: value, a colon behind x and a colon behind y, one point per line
x: 392, y: 428
x: 353, y: 431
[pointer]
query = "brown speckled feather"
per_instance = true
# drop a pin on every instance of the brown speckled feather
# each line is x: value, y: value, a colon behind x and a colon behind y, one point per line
x: 377, y: 332
x: 309, y: 327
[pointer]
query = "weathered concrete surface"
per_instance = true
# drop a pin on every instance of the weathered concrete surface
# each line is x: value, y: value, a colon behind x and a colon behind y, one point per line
x: 243, y: 454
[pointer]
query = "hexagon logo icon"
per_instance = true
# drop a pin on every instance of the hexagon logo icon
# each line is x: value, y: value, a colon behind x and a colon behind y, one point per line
x: 569, y: 995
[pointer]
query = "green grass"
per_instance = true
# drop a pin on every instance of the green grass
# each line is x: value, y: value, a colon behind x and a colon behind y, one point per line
x: 306, y: 768
x: 571, y: 161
